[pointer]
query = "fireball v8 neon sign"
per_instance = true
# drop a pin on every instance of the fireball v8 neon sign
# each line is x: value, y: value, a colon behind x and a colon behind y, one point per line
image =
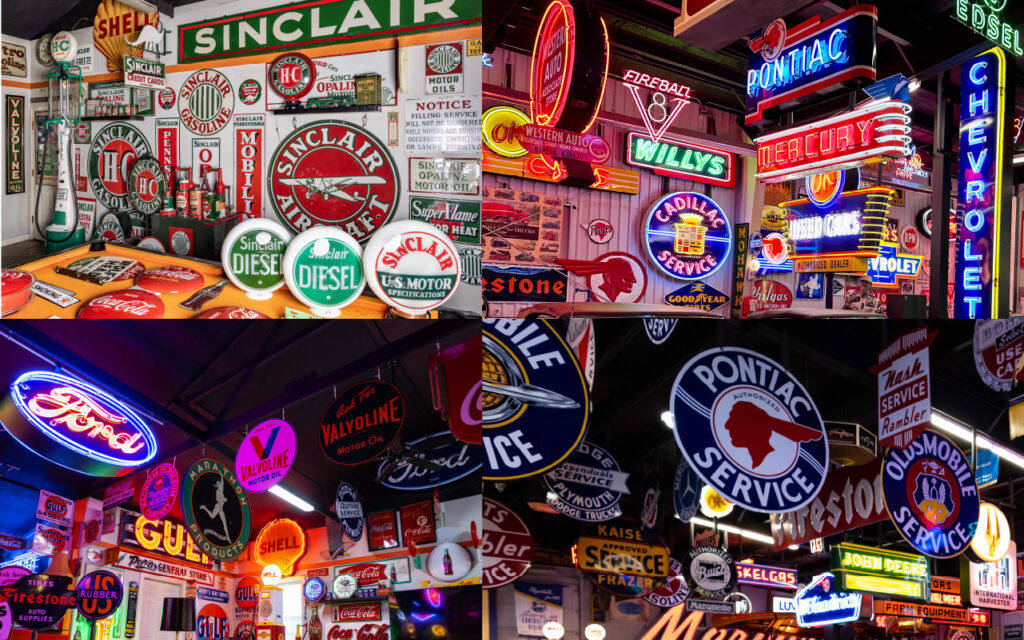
x: 76, y: 425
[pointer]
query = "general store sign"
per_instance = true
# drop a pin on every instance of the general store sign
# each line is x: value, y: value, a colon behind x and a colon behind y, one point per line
x: 904, y: 389
x: 878, y: 130
x: 144, y: 564
x: 681, y: 159
x: 614, y: 557
x: 317, y: 24
x: 788, y: 64
x: 881, y: 571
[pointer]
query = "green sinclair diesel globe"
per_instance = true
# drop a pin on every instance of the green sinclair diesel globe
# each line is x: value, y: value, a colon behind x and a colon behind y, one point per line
x: 411, y: 265
x: 253, y: 256
x: 323, y: 268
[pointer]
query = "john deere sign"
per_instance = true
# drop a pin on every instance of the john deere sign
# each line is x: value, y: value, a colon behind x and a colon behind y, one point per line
x: 320, y: 23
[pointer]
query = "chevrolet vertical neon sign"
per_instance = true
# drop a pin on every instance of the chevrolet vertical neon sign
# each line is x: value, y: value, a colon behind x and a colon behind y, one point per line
x: 980, y: 187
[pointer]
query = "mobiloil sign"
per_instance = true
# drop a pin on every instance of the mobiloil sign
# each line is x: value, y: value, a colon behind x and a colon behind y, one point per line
x: 614, y: 557
x: 981, y: 258
x: 881, y: 571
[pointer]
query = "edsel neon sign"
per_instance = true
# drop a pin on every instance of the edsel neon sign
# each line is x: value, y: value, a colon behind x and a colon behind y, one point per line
x: 787, y: 64
x: 984, y: 18
x: 76, y: 425
x: 878, y: 130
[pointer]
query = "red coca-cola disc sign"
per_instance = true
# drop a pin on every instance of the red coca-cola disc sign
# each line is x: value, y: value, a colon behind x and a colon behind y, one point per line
x: 125, y: 304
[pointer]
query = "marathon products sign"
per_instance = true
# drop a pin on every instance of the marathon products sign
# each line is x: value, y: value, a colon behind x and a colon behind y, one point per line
x: 614, y: 557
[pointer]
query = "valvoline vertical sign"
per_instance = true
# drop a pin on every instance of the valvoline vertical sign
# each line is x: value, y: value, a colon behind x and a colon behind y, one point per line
x: 981, y: 258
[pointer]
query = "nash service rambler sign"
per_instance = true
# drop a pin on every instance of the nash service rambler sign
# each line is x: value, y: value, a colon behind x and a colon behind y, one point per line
x: 320, y: 23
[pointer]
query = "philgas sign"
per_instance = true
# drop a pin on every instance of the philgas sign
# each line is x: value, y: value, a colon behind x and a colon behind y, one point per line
x: 986, y: 17
x: 992, y: 585
x: 931, y: 495
x: 216, y: 509
x: 349, y: 510
x: 686, y: 491
x: 253, y: 255
x: 588, y: 485
x: 851, y: 226
x: 687, y: 235
x: 413, y: 266
x: 697, y: 295
x: 769, y: 294
x: 681, y: 159
x: 98, y: 595
x: 456, y: 460
x: 161, y: 536
x: 113, y: 152
x: 673, y: 590
x: 531, y: 379
x: 753, y: 432
x: 39, y: 601
x: 998, y: 346
x: 981, y: 260
x: 205, y: 102
x: 507, y: 545
x: 891, y: 265
x: 819, y: 604
x: 265, y: 455
x: 992, y: 537
x: 904, y: 388
x: 323, y: 267
x: 880, y: 129
x: 569, y: 67
x: 76, y: 425
x: 815, y: 56
x: 281, y: 542
x: 615, y: 558
x: 765, y: 576
x: 361, y: 422
x: 881, y: 571
x: 710, y: 571
x: 850, y: 498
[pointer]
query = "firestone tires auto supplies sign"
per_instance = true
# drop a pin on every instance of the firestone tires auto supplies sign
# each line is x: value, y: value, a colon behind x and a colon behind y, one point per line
x: 588, y: 485
x: 333, y: 173
x: 710, y: 572
x: 614, y: 558
x: 349, y: 511
x: 265, y: 455
x: 206, y: 102
x: 931, y: 495
x: 39, y: 601
x: 531, y: 380
x: 113, y: 151
x: 753, y: 432
x: 98, y: 595
x: 904, y: 389
x: 457, y: 460
x: 253, y: 256
x: 687, y: 235
x: 216, y: 509
x: 507, y: 545
x: 998, y: 346
x: 323, y: 267
x: 673, y: 591
x: 146, y: 185
x: 361, y: 422
x: 413, y: 266
x: 159, y: 491
x: 686, y: 489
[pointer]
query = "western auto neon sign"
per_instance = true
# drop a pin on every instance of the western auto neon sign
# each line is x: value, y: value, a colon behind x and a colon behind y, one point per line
x: 76, y: 425
x: 679, y: 159
x: 656, y: 115
x: 985, y: 17
x: 852, y: 227
x: 979, y: 253
x: 878, y: 130
x: 788, y: 64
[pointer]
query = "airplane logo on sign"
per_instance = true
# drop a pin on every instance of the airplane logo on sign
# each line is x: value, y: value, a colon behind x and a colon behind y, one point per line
x: 334, y: 187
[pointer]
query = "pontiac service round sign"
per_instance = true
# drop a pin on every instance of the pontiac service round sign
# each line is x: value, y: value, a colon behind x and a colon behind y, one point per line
x: 206, y: 102
x: 531, y: 381
x: 752, y: 431
x: 588, y: 485
x: 931, y: 495
x: 687, y: 235
x: 998, y: 345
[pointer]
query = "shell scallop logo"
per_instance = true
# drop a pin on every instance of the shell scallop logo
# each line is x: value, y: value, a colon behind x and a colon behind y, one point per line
x: 282, y: 543
x: 114, y: 25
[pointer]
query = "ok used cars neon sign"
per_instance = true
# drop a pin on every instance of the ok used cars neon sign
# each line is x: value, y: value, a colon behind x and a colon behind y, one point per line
x: 76, y: 425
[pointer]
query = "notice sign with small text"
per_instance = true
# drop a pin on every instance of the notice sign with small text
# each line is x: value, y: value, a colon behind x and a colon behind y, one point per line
x: 904, y: 389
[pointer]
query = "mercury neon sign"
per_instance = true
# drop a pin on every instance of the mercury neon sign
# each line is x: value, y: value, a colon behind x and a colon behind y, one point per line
x: 979, y: 258
x: 76, y: 425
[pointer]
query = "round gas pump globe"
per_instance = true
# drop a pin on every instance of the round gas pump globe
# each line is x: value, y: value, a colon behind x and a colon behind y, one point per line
x: 411, y: 265
x: 594, y: 632
x: 271, y: 575
x: 63, y: 47
x: 323, y: 268
x: 553, y: 630
x: 461, y: 562
x: 253, y: 255
x: 991, y: 538
x: 713, y: 505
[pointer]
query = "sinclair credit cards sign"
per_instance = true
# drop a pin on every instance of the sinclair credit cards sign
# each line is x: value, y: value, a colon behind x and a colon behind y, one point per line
x: 614, y: 557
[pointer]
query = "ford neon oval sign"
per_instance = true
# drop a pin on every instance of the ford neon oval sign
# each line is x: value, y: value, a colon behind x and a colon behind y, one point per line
x: 457, y: 459
x: 76, y: 425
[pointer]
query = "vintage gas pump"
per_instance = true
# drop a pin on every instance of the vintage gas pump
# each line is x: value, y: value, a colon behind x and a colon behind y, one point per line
x: 270, y: 614
x: 65, y: 84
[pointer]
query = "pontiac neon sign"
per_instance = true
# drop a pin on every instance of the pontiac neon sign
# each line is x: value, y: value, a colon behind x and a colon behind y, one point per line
x: 878, y: 130
x: 76, y: 425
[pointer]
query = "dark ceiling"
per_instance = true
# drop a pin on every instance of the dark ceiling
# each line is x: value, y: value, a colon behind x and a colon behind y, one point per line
x: 207, y: 382
x: 832, y: 359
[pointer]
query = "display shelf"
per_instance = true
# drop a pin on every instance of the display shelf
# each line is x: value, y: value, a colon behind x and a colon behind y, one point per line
x: 305, y: 110
x: 98, y: 118
x: 334, y: 601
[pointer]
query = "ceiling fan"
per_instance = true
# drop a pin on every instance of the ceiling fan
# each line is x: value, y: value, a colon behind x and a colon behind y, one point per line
x: 417, y: 456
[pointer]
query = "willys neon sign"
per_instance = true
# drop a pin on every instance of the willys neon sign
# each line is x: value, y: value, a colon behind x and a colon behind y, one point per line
x: 76, y: 425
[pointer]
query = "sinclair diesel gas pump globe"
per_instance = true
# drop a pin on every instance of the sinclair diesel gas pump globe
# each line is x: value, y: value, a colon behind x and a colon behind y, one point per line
x: 76, y: 425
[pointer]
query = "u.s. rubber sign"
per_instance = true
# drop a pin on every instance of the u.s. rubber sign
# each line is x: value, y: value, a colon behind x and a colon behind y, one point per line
x: 318, y: 24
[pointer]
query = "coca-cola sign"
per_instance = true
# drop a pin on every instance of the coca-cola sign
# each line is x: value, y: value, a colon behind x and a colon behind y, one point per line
x: 356, y: 612
x: 418, y: 523
x: 76, y: 425
x: 373, y: 632
x: 769, y: 294
x: 457, y: 460
x: 371, y: 573
x: 11, y: 543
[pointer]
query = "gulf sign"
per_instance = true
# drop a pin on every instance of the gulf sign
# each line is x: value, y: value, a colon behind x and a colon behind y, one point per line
x: 765, y: 576
x: 981, y: 259
x: 815, y: 56
x: 878, y: 130
x: 852, y: 227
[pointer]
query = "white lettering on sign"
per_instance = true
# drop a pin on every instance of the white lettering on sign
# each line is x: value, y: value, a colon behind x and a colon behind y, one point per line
x: 844, y: 223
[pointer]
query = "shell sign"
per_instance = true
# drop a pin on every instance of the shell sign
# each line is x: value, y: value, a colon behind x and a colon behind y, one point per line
x: 283, y: 543
x: 114, y: 25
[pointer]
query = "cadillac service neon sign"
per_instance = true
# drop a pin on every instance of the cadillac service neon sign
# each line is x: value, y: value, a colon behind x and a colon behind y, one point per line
x: 76, y: 425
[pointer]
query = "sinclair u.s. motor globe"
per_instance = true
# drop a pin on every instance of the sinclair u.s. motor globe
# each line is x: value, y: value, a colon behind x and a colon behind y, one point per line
x: 413, y: 266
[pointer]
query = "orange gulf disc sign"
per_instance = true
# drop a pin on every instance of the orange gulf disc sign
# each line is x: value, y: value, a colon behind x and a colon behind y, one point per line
x: 283, y: 543
x: 114, y: 26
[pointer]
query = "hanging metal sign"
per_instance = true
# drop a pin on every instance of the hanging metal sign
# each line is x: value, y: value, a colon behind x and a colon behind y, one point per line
x: 904, y: 389
x: 614, y: 557
x: 998, y: 346
x: 265, y: 455
x: 881, y: 571
x: 216, y: 509
x: 361, y: 422
x: 206, y: 101
x: 349, y: 510
x: 588, y: 485
x: 710, y: 571
x: 507, y: 545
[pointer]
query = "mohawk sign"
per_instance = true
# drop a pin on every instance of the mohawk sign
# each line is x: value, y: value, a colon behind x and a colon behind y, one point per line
x: 786, y: 65
x: 754, y: 433
x: 75, y: 425
x: 904, y: 389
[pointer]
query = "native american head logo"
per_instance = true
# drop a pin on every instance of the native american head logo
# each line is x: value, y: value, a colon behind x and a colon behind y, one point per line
x: 613, y: 277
